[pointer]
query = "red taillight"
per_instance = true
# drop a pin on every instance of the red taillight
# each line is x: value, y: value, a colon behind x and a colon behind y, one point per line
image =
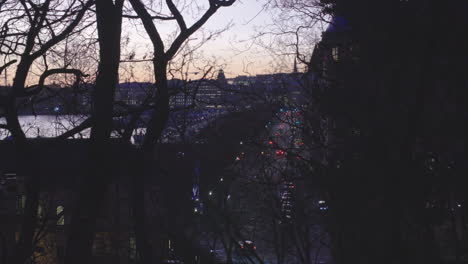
x: 270, y: 142
x: 242, y: 246
x: 254, y: 247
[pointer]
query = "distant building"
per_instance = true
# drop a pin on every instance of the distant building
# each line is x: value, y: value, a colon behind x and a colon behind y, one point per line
x: 133, y: 93
x: 201, y: 94
x: 221, y: 78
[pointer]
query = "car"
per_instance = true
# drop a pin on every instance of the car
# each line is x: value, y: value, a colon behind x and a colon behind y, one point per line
x: 247, y: 247
x: 280, y: 153
x: 322, y: 205
x: 172, y: 261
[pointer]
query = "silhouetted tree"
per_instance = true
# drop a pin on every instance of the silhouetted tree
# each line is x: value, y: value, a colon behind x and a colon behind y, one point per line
x: 45, y: 27
x: 160, y: 113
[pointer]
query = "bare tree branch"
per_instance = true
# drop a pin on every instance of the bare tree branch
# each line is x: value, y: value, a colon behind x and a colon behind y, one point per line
x: 177, y: 15
x: 7, y: 65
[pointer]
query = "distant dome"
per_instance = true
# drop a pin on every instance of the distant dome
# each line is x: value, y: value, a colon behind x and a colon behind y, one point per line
x: 338, y: 24
x: 221, y: 76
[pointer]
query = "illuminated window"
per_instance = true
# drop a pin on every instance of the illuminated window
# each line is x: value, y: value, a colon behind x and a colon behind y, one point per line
x: 40, y: 210
x: 132, y: 248
x: 335, y: 53
x: 20, y: 204
x: 102, y: 244
x: 60, y: 215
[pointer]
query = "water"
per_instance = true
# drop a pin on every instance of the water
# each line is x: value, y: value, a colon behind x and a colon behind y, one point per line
x: 54, y: 125
x: 48, y: 125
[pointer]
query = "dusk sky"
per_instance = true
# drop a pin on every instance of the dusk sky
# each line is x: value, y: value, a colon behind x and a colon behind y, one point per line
x: 235, y: 49
x: 235, y: 45
x: 239, y: 46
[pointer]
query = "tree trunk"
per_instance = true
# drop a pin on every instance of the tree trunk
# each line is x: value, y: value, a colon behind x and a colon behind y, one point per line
x: 94, y: 185
x: 139, y: 213
x: 154, y: 130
